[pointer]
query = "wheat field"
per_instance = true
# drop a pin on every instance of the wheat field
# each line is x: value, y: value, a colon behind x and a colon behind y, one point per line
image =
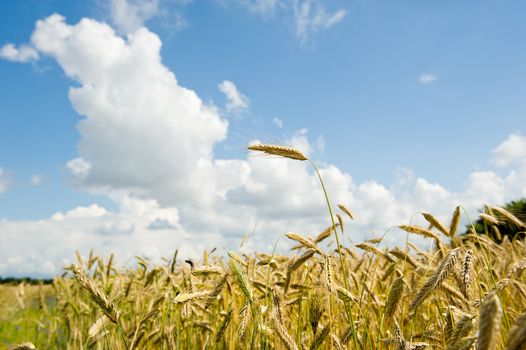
x: 468, y: 292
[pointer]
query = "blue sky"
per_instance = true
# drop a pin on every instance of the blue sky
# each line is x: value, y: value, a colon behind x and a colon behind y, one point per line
x: 406, y: 106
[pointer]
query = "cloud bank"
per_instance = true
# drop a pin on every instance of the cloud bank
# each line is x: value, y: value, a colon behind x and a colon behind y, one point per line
x: 147, y: 143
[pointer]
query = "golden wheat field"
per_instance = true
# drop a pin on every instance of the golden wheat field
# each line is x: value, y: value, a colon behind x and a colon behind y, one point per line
x: 467, y: 293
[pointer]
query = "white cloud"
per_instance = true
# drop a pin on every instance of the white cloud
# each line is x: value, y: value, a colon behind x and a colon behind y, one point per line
x: 427, y: 78
x: 278, y: 122
x: 36, y: 179
x: 3, y: 181
x: 79, y: 167
x: 148, y: 144
x: 236, y: 101
x: 511, y: 151
x: 23, y: 53
x: 142, y: 131
x: 264, y: 8
x: 310, y: 16
x: 90, y: 212
x: 129, y: 15
x: 320, y: 144
x: 49, y: 245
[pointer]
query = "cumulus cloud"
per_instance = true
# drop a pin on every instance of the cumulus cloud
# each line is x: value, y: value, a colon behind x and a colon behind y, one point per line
x: 23, y: 53
x: 142, y: 131
x: 511, y: 151
x: 278, y: 122
x: 147, y: 143
x: 427, y: 78
x: 236, y: 101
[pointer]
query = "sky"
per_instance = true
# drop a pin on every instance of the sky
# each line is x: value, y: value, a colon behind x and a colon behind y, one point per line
x: 124, y: 124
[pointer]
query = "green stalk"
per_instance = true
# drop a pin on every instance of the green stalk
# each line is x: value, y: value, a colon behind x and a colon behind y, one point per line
x: 342, y: 262
x: 121, y: 332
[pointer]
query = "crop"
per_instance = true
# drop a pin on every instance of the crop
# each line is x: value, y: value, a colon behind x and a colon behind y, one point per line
x: 467, y: 292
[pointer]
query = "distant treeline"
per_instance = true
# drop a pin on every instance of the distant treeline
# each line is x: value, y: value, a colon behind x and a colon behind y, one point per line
x: 28, y: 280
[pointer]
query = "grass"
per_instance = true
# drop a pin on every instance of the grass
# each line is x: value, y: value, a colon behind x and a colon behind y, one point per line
x: 468, y: 291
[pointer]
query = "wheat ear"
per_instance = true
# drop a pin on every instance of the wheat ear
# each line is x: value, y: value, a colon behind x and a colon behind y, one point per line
x: 223, y: 326
x: 278, y: 150
x: 395, y: 294
x: 517, y: 335
x: 320, y: 337
x: 436, y: 223
x: 509, y: 216
x: 306, y: 242
x: 443, y: 271
x: 465, y: 285
x: 285, y: 337
x: 346, y: 211
x: 96, y: 295
x: 489, y: 323
x: 489, y: 219
x: 454, y: 222
x: 419, y: 231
